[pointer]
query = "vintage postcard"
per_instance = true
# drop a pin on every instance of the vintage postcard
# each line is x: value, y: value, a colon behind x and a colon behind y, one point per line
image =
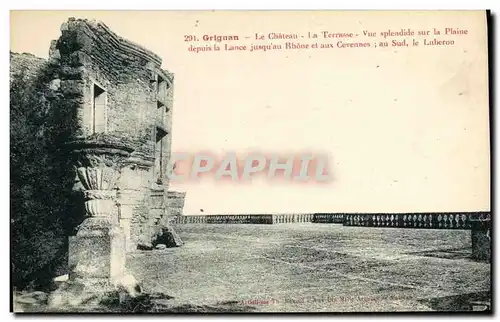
x: 250, y: 161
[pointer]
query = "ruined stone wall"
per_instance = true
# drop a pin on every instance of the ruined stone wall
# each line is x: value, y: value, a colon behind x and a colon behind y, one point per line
x: 52, y: 112
x: 175, y: 205
x: 98, y: 68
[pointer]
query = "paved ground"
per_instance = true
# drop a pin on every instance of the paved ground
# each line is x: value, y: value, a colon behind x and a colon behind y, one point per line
x: 316, y: 267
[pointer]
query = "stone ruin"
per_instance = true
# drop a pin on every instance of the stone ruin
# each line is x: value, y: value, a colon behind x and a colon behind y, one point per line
x: 115, y: 103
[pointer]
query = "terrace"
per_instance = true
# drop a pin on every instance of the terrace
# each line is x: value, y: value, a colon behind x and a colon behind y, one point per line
x: 305, y: 267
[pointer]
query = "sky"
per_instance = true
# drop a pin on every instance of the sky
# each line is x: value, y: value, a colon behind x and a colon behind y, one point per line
x: 405, y: 129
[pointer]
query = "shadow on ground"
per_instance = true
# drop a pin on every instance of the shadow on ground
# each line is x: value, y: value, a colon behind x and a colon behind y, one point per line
x: 158, y: 303
x: 477, y: 301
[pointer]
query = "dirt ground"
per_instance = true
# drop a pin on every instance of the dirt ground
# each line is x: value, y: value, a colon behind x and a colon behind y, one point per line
x: 315, y: 268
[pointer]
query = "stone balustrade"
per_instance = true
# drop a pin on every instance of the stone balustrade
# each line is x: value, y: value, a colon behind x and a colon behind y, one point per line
x: 421, y: 220
x: 328, y: 218
x: 224, y: 219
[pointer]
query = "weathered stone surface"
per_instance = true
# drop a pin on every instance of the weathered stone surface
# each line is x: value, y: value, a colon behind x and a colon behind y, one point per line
x: 103, y: 90
x: 161, y: 246
x: 90, y: 55
x: 96, y: 250
x: 123, y: 70
x: 481, y: 240
x: 175, y: 205
x: 144, y: 245
x: 168, y: 237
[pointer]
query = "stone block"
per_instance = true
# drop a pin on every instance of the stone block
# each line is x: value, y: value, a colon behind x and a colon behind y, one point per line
x: 481, y: 243
x: 79, y: 58
x: 97, y: 252
x: 167, y: 236
x: 72, y: 87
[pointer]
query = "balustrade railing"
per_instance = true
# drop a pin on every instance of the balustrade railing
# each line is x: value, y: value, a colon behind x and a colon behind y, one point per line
x: 422, y: 220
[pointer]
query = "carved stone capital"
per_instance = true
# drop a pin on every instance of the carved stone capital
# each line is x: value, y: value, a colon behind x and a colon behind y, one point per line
x: 99, y: 195
x: 100, y: 207
x: 98, y: 178
x: 100, y: 151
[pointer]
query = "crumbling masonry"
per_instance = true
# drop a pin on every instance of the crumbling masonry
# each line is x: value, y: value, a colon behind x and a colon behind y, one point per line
x: 113, y: 102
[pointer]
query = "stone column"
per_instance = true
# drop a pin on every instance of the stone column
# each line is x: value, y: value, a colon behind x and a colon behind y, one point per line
x: 133, y: 197
x: 481, y: 237
x: 97, y: 251
x: 127, y: 200
x: 175, y: 205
